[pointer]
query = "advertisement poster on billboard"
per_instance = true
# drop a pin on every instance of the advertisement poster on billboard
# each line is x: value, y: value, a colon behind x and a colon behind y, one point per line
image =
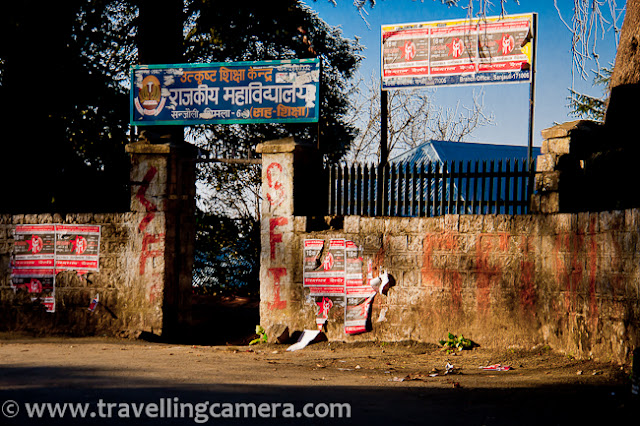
x: 458, y: 52
x: 223, y: 93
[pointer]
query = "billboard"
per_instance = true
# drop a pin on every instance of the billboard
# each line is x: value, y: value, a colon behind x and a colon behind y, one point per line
x: 458, y: 52
x: 219, y: 93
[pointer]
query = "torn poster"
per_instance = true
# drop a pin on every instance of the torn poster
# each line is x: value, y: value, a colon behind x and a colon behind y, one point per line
x: 325, y: 306
x: 325, y: 276
x: 40, y: 283
x: 335, y: 279
x: 94, y: 303
x: 359, y: 294
x: 305, y: 338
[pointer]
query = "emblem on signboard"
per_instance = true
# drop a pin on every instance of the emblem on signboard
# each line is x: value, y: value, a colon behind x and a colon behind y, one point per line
x: 150, y: 100
x: 456, y: 48
x: 508, y: 43
x: 408, y: 50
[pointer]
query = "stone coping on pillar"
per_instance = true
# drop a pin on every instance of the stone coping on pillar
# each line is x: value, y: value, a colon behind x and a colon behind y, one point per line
x: 280, y: 146
x: 159, y: 149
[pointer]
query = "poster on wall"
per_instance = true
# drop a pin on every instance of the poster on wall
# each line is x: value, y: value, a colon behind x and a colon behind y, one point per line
x: 495, y: 49
x: 334, y: 277
x: 77, y: 247
x: 284, y: 91
x: 328, y: 278
x: 34, y: 246
x: 39, y: 283
x: 40, y: 251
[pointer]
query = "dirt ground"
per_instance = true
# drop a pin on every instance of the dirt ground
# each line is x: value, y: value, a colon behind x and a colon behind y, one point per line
x: 384, y: 383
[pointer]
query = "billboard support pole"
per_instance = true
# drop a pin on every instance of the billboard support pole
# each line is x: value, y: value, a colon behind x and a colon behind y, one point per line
x: 384, y: 152
x: 532, y: 86
x: 532, y: 97
x: 384, y: 128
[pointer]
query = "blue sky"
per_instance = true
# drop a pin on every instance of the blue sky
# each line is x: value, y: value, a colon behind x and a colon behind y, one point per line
x: 508, y: 102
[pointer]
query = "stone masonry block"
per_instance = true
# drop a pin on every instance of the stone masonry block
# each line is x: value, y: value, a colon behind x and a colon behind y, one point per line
x: 351, y: 224
x: 371, y: 225
x: 536, y: 203
x: 546, y: 163
x: 565, y: 129
x: 434, y: 224
x: 559, y: 145
x: 399, y: 243
x: 300, y: 224
x: 470, y: 223
x: 452, y: 222
x: 550, y: 202
x: 547, y: 181
x: 611, y: 220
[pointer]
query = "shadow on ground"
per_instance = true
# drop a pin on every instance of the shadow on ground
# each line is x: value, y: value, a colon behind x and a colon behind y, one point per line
x: 546, y: 405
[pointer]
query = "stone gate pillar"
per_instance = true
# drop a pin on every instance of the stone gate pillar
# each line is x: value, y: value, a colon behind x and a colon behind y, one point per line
x: 163, y: 194
x: 292, y: 188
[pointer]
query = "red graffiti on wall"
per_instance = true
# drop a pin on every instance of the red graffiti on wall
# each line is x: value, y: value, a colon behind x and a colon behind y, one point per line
x: 149, y: 207
x: 445, y: 253
x: 486, y: 274
x: 275, y: 190
x: 277, y: 273
x: 442, y: 276
x: 527, y: 284
x: 275, y: 195
x: 148, y: 239
x: 275, y: 238
x: 569, y: 266
x: 147, y: 253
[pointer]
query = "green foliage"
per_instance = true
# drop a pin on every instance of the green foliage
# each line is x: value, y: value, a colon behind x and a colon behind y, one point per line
x: 262, y: 336
x: 255, y: 30
x: 591, y: 107
x: 456, y: 343
x: 66, y: 126
x: 226, y: 255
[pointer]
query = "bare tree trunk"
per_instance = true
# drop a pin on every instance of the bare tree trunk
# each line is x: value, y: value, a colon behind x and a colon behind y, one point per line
x: 622, y: 111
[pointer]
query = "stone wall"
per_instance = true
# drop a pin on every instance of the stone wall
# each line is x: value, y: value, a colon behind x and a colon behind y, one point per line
x: 129, y: 299
x: 146, y: 258
x: 567, y: 280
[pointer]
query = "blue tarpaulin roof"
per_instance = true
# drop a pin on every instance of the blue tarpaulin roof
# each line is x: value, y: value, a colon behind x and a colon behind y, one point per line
x: 441, y: 151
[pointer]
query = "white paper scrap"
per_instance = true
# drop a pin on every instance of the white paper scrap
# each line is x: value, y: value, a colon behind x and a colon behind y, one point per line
x: 306, y: 337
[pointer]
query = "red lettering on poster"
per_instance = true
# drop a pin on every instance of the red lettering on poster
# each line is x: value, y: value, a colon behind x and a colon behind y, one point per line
x: 277, y: 273
x: 273, y: 237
